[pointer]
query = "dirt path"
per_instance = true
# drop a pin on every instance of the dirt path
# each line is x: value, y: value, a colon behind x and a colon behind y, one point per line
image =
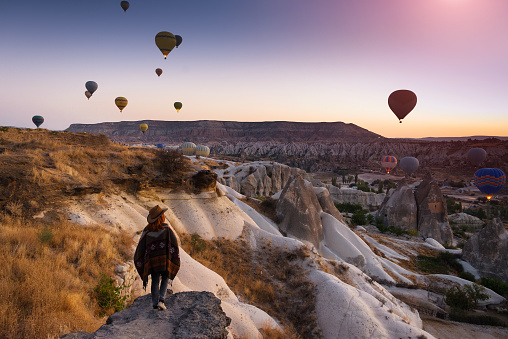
x: 443, y: 329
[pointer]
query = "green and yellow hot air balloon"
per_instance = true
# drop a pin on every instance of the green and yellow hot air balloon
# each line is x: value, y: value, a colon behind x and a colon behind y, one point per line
x: 178, y: 106
x: 189, y: 148
x: 203, y: 151
x: 121, y: 102
x: 166, y: 42
x: 143, y: 128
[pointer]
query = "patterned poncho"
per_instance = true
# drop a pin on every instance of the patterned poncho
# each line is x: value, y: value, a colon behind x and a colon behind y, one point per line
x: 157, y: 252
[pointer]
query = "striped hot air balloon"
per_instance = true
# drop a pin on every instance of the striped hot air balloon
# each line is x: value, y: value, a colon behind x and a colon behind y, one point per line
x: 121, y: 102
x: 489, y: 180
x: 166, y: 42
x: 37, y: 120
x: 189, y: 148
x: 202, y: 151
x: 389, y: 163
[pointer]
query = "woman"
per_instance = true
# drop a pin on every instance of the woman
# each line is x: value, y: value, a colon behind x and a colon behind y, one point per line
x: 157, y: 255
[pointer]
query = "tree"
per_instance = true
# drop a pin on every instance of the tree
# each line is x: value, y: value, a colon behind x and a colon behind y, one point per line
x: 380, y: 186
x: 356, y: 178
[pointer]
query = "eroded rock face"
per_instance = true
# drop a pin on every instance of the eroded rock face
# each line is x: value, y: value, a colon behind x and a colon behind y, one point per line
x: 432, y: 212
x: 326, y: 203
x: 399, y: 208
x: 464, y: 219
x: 487, y: 251
x: 369, y: 200
x: 188, y: 315
x: 299, y: 212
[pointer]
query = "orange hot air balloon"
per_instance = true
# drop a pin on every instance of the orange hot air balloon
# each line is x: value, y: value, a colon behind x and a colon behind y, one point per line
x: 158, y: 71
x: 88, y: 95
x: 402, y: 102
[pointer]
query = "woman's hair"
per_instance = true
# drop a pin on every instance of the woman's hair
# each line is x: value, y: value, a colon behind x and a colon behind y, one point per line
x: 156, y: 225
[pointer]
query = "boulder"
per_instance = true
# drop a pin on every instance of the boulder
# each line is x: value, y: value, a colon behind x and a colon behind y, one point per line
x: 399, y: 208
x: 188, y: 315
x: 432, y: 212
x: 298, y: 211
x: 465, y: 220
x: 368, y: 200
x: 487, y: 251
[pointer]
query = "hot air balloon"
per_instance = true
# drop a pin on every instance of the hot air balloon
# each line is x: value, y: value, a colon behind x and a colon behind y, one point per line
x: 125, y: 5
x: 476, y: 156
x: 121, y: 102
x: 166, y: 42
x: 158, y: 71
x: 178, y: 106
x: 160, y: 145
x: 178, y: 40
x: 143, y: 128
x: 402, y: 102
x: 37, y: 120
x: 409, y: 165
x: 189, y: 148
x: 203, y: 151
x: 388, y: 163
x: 489, y: 180
x: 91, y: 86
x: 88, y: 95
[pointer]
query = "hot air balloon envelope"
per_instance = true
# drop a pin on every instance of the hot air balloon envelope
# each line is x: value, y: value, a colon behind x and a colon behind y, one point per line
x: 158, y: 71
x: 121, y: 102
x: 203, y: 151
x: 91, y: 86
x: 143, y: 127
x: 37, y: 120
x: 125, y: 5
x: 88, y: 94
x: 166, y: 42
x: 389, y: 163
x: 160, y: 145
x: 489, y: 180
x: 402, y: 102
x: 476, y: 156
x: 178, y: 40
x: 178, y: 106
x: 189, y: 148
x: 409, y: 165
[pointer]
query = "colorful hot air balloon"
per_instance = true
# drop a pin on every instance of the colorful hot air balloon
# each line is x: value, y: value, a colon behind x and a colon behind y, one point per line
x: 88, y: 95
x: 489, y: 180
x: 91, y: 86
x: 178, y: 40
x: 143, y: 128
x: 166, y: 42
x: 388, y: 163
x: 37, y: 120
x: 178, y: 106
x: 121, y: 102
x: 409, y: 165
x: 189, y: 148
x: 160, y: 145
x: 402, y: 102
x: 476, y: 156
x: 125, y: 5
x: 203, y: 151
x: 158, y: 71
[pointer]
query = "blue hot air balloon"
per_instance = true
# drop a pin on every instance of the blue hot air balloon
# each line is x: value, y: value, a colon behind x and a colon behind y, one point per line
x: 489, y: 180
x: 160, y: 145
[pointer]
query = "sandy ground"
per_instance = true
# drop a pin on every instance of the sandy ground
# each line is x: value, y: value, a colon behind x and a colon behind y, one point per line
x: 443, y: 329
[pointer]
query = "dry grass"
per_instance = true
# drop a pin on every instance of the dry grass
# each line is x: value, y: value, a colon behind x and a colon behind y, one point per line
x: 272, y: 280
x: 48, y: 275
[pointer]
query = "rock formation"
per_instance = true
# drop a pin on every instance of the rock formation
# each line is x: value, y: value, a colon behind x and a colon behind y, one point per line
x: 399, y: 208
x: 487, y: 251
x: 298, y: 211
x: 432, y: 212
x: 326, y: 203
x: 465, y: 220
x: 369, y: 200
x: 188, y: 315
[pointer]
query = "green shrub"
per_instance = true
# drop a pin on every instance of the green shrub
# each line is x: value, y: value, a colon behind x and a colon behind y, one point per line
x: 348, y: 207
x: 108, y: 295
x: 495, y: 285
x: 370, y: 218
x: 4, y: 129
x: 465, y: 297
x: 359, y: 218
x: 461, y: 316
x: 198, y: 245
x: 413, y: 233
x: 467, y: 275
x: 45, y: 235
x: 444, y: 263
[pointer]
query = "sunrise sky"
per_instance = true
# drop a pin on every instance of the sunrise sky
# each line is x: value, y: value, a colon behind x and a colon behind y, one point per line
x: 259, y: 60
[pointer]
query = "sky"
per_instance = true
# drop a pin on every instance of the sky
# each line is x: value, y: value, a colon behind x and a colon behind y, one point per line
x: 260, y: 60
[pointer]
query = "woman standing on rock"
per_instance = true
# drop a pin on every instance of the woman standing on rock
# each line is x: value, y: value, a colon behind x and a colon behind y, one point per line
x: 157, y: 255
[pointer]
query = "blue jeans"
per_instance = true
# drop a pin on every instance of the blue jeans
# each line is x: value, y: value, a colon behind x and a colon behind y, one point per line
x: 158, y: 294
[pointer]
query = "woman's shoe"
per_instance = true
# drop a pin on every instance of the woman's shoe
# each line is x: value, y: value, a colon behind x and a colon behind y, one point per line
x: 161, y: 306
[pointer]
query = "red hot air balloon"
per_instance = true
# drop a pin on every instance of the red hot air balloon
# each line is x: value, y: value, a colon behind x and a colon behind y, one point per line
x: 389, y: 163
x: 125, y: 5
x: 402, y: 102
x: 158, y: 71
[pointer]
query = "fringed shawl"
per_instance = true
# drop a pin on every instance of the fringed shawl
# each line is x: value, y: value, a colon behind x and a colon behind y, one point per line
x: 157, y: 252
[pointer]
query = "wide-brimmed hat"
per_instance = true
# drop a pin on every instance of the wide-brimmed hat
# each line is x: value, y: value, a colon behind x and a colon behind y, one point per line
x: 155, y: 213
